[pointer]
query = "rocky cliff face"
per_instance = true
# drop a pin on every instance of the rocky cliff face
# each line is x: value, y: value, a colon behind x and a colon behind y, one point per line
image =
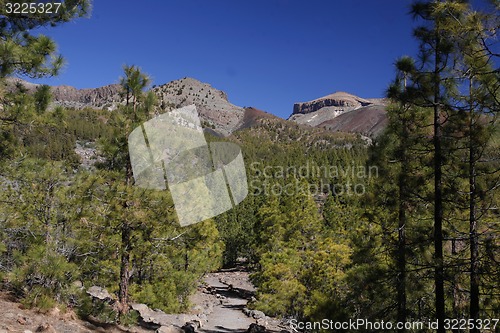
x: 213, y: 106
x: 340, y: 101
x: 103, y: 97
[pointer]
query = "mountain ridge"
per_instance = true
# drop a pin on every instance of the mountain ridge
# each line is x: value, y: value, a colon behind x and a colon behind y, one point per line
x: 355, y: 114
x: 104, y: 97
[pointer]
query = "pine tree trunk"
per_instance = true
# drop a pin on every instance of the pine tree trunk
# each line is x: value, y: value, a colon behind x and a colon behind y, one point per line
x: 474, y: 243
x: 401, y: 283
x: 438, y: 194
x: 438, y: 210
x: 186, y: 257
x: 126, y: 231
x: 401, y: 257
x: 135, y: 107
x: 129, y: 175
x: 124, y: 268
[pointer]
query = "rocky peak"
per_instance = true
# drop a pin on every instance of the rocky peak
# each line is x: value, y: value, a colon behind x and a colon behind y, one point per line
x: 338, y: 101
x: 193, y: 91
x: 212, y: 104
x: 328, y: 107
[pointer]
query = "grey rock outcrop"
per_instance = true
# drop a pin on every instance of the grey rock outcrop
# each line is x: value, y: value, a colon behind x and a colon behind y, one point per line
x: 256, y: 314
x: 103, y: 97
x: 151, y: 318
x: 108, y: 96
x: 100, y: 293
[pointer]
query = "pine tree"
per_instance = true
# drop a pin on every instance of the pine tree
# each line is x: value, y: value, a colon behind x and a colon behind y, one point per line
x: 133, y: 83
x: 36, y: 232
x: 43, y: 98
x: 453, y: 78
x: 404, y: 66
x: 302, y: 267
x: 478, y: 99
x: 434, y: 84
x: 24, y: 53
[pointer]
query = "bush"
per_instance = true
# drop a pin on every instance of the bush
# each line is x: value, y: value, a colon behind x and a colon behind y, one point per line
x: 99, y: 310
x: 159, y: 295
x: 130, y: 318
x: 42, y: 277
x: 39, y: 298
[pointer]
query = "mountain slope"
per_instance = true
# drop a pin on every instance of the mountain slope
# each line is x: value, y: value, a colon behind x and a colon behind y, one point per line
x: 369, y: 120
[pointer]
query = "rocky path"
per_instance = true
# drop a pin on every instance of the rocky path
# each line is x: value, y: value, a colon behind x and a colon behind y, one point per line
x: 228, y: 293
x: 219, y: 306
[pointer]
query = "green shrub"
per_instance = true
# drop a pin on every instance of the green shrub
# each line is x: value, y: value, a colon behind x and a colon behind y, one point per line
x: 159, y: 295
x: 99, y: 310
x: 43, y: 277
x: 130, y: 318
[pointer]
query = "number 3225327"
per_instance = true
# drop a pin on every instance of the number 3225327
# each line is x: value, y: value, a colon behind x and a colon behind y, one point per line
x: 32, y: 8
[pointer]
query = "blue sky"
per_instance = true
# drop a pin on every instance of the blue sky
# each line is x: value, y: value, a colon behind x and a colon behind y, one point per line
x: 262, y: 53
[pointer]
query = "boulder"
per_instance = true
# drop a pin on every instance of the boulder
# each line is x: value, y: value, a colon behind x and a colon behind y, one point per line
x: 255, y: 328
x: 47, y: 328
x: 188, y: 328
x: 100, y: 293
x: 77, y: 284
x: 169, y: 329
x: 256, y: 314
x: 151, y: 318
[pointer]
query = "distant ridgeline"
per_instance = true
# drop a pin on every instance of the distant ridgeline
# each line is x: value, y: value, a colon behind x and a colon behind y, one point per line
x: 338, y: 112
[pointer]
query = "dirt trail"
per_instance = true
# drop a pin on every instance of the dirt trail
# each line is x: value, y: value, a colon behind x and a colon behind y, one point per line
x: 224, y: 297
x: 219, y: 305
